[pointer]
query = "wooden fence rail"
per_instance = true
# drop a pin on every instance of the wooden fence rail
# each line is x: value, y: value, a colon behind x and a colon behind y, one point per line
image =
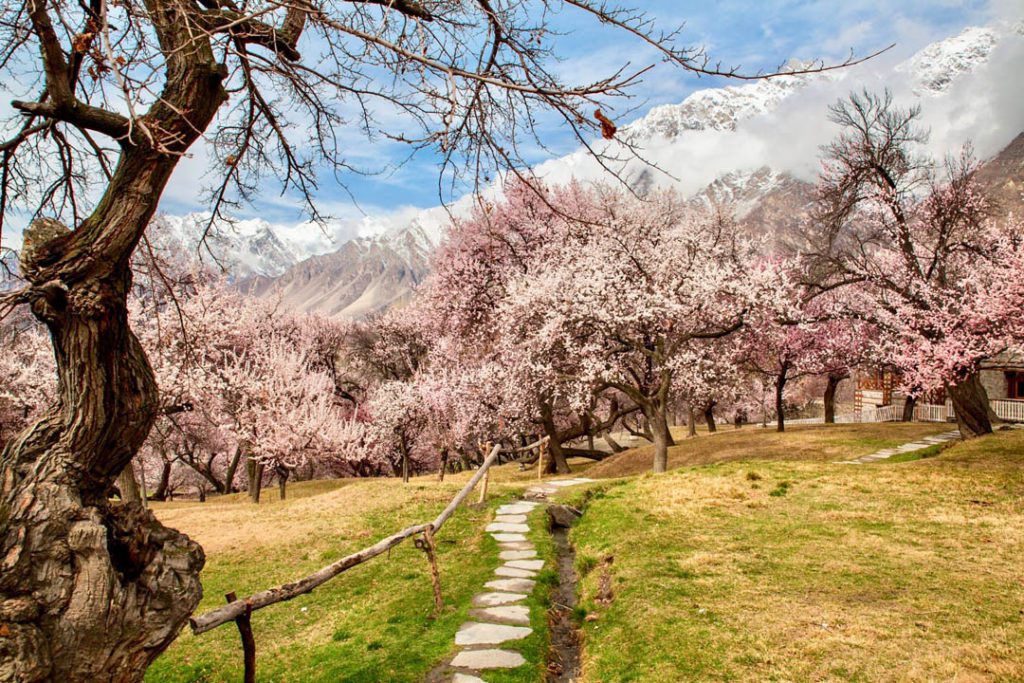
x: 233, y: 610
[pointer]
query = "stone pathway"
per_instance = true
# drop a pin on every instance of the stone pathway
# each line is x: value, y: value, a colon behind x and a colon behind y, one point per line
x: 926, y: 442
x: 498, y: 616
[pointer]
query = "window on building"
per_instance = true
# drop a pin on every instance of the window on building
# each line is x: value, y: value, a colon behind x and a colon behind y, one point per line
x: 1015, y: 385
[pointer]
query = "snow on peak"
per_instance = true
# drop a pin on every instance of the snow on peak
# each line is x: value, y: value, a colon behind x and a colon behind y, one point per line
x: 935, y: 67
x: 716, y: 108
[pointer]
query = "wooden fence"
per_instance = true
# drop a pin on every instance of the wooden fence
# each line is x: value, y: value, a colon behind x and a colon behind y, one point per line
x: 1011, y: 411
x: 240, y: 611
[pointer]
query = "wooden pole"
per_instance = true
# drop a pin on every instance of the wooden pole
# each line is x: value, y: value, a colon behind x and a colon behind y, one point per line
x: 540, y: 460
x: 486, y: 448
x: 244, y: 623
x: 427, y: 545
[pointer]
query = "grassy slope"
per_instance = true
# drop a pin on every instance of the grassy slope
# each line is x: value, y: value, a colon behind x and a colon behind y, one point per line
x: 371, y: 624
x: 799, y: 442
x: 783, y: 566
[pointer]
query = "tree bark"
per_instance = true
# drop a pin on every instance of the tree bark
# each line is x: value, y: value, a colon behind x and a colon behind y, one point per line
x: 658, y: 421
x: 709, y: 417
x: 612, y: 443
x: 780, y: 387
x: 556, y: 462
x: 830, y: 396
x: 229, y: 476
x: 970, y: 401
x: 908, y: 409
x: 255, y: 472
x: 691, y: 422
x: 90, y: 591
x: 444, y: 465
x: 160, y: 493
x: 128, y: 485
x: 282, y: 482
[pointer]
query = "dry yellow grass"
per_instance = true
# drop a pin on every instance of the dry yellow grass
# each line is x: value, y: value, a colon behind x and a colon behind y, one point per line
x: 809, y: 571
x: 798, y: 442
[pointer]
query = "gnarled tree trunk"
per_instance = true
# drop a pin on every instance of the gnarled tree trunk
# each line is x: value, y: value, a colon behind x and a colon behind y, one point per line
x: 970, y: 401
x: 89, y: 591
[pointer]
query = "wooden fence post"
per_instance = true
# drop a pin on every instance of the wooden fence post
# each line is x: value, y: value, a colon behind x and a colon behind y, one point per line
x: 486, y: 448
x: 427, y: 545
x: 248, y: 642
x: 540, y: 459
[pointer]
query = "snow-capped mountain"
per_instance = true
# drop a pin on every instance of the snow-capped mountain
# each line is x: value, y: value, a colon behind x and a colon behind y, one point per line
x: 750, y: 148
x: 717, y: 108
x: 934, y: 67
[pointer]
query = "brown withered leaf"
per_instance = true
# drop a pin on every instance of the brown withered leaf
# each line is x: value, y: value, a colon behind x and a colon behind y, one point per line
x: 608, y: 129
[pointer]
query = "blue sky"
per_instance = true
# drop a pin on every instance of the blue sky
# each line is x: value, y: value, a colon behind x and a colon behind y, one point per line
x: 754, y: 35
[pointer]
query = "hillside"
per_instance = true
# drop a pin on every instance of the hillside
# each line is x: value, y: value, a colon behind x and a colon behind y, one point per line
x: 891, y: 571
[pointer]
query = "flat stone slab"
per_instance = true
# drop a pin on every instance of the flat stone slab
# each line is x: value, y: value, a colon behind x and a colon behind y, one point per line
x: 513, y: 573
x: 517, y: 545
x: 511, y: 585
x: 516, y: 554
x: 513, y: 614
x: 508, y: 538
x: 511, y: 519
x: 516, y: 508
x: 488, y: 659
x: 532, y: 565
x: 507, y: 528
x: 498, y: 598
x: 466, y: 678
x: 481, y: 633
x: 560, y: 483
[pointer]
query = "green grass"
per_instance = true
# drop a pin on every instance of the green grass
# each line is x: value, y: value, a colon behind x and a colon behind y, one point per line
x: 774, y: 569
x: 373, y: 623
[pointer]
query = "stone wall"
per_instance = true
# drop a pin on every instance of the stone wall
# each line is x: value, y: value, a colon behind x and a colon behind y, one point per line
x: 994, y: 382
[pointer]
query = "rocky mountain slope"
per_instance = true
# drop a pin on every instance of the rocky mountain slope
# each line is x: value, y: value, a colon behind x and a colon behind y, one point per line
x: 748, y: 148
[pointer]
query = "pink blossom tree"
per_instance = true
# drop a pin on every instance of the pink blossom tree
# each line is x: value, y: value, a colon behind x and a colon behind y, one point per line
x: 929, y: 265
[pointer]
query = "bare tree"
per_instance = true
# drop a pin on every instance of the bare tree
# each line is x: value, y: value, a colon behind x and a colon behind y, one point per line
x: 121, y: 90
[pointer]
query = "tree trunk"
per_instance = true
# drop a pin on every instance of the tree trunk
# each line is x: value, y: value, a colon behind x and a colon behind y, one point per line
x: 128, y: 485
x: 88, y: 591
x: 165, y: 479
x: 658, y: 421
x: 229, y: 476
x: 830, y: 397
x: 908, y: 409
x: 971, y: 405
x: 691, y: 423
x: 255, y: 472
x: 282, y: 482
x: 780, y: 387
x: 612, y: 443
x: 444, y: 464
x: 555, y: 462
x: 709, y: 417
x: 405, y: 458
